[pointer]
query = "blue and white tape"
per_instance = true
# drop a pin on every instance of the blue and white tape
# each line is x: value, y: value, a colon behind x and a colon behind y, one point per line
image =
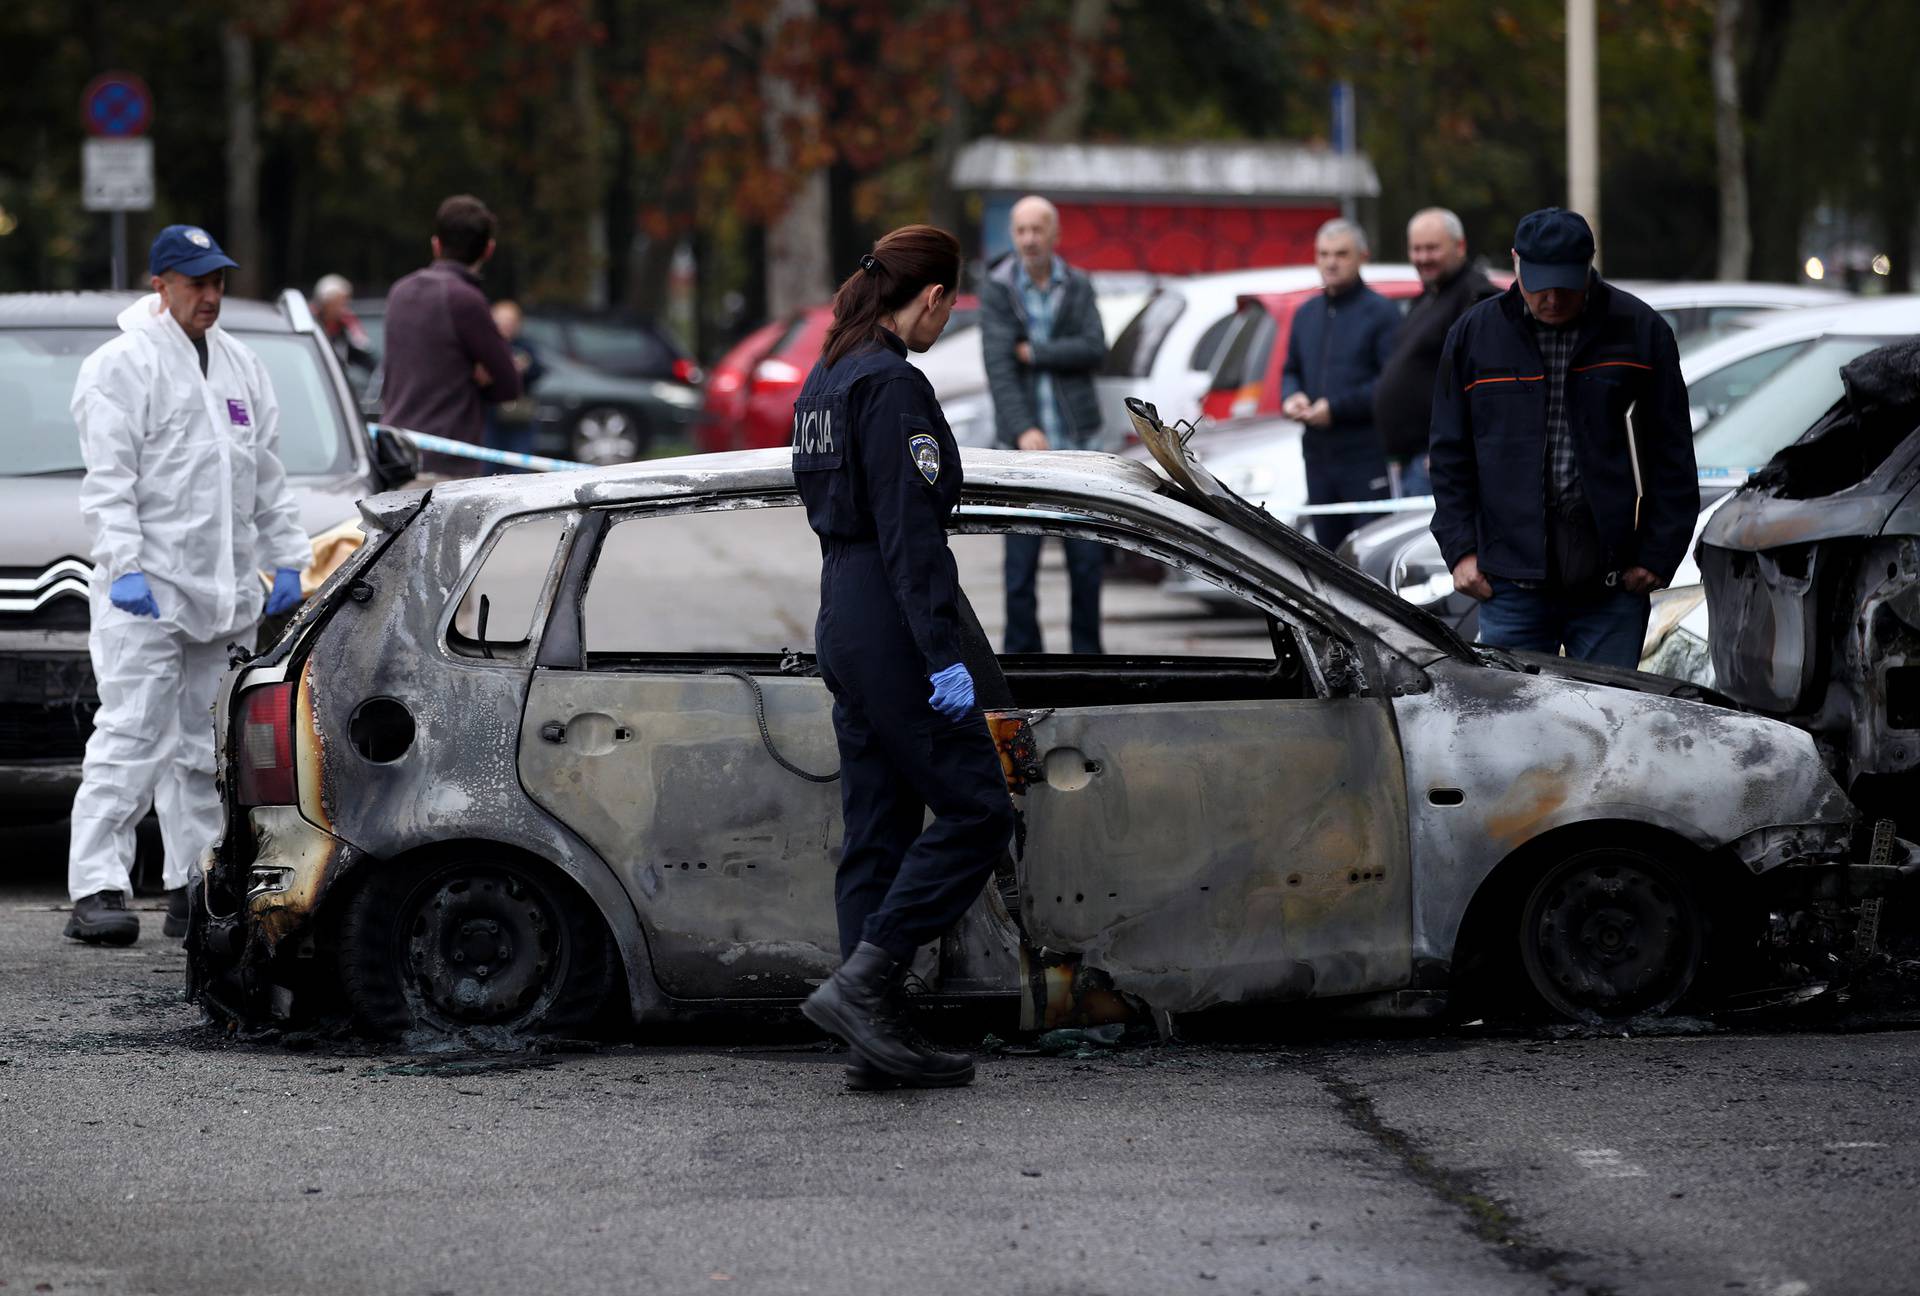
x: 467, y: 450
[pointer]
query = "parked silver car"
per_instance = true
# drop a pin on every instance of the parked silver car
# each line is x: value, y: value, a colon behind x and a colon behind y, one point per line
x: 453, y: 800
x: 47, y: 697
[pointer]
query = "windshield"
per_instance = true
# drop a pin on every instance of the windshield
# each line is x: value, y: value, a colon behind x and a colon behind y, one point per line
x: 1132, y: 355
x: 1788, y: 402
x: 37, y: 372
x: 624, y: 348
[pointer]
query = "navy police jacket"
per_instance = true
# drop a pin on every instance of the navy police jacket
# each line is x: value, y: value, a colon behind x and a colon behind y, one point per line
x: 876, y: 463
x: 1488, y: 443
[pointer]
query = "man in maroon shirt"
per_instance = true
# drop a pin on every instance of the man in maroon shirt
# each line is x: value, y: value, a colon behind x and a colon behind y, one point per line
x: 444, y: 355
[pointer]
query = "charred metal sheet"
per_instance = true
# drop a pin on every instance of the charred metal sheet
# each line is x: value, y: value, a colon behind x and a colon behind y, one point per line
x: 458, y: 781
x: 1223, y: 851
x: 293, y: 864
x: 1495, y: 759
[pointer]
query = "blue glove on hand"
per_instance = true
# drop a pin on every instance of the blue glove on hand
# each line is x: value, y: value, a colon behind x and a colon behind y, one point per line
x: 952, y: 692
x: 130, y: 593
x: 286, y: 592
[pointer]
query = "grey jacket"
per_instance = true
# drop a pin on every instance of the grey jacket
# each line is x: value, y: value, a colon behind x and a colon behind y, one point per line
x: 1074, y: 354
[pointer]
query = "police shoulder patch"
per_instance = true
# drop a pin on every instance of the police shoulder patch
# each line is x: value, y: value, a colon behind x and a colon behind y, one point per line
x: 925, y: 452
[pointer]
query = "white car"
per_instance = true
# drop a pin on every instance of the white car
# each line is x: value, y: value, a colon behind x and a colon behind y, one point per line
x: 1165, y: 355
x: 1704, y: 311
x: 1816, y: 342
x: 957, y: 368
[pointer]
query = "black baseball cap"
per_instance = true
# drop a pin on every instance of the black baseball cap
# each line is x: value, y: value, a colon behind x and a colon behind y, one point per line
x: 1555, y: 247
x: 188, y: 249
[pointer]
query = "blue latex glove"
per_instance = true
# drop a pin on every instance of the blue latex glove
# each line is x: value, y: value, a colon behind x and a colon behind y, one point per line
x: 130, y: 593
x: 285, y: 596
x: 952, y: 692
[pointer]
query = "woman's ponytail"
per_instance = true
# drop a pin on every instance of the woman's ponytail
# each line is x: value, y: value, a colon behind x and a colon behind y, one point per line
x: 900, y: 265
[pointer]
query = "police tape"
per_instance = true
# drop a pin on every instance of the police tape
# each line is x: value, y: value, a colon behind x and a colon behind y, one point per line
x: 485, y: 454
x: 1424, y: 503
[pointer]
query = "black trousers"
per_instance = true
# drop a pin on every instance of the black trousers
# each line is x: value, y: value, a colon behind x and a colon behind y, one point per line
x: 901, y: 881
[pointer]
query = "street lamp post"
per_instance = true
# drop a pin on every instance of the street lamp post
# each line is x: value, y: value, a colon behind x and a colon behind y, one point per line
x: 1583, y: 116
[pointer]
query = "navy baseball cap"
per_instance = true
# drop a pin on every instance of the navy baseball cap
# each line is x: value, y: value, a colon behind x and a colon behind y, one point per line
x: 188, y: 249
x: 1555, y: 247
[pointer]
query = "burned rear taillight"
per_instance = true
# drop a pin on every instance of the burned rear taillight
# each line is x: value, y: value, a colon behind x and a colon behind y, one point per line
x: 264, y: 754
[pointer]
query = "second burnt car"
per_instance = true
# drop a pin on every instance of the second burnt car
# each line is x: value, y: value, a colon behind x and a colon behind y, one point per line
x: 496, y: 774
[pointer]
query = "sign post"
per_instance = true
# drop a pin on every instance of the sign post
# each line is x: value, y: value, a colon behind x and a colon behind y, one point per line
x: 116, y: 163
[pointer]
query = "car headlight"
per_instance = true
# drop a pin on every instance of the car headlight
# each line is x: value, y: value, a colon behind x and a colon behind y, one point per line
x: 687, y: 398
x: 1670, y: 608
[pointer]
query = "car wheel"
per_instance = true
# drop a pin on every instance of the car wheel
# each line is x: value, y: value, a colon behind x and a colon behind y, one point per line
x: 479, y: 940
x: 1611, y: 934
x: 606, y: 434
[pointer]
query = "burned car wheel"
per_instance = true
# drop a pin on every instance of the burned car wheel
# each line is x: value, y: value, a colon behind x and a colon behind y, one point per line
x: 475, y: 941
x: 1611, y: 934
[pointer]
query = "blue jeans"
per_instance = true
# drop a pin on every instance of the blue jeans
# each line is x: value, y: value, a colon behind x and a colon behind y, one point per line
x: 1414, y: 479
x: 1606, y: 628
x: 1085, y: 559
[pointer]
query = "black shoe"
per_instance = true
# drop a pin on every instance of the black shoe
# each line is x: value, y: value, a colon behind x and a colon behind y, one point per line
x: 858, y: 1003
x: 176, y: 922
x: 102, y: 919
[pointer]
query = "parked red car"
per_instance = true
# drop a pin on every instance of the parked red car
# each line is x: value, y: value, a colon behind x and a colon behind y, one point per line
x: 1246, y: 378
x: 749, y: 403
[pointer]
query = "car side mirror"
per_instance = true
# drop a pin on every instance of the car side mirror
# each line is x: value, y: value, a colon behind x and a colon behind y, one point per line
x: 396, y: 459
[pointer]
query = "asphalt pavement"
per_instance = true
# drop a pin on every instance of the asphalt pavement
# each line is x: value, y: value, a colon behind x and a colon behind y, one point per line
x: 147, y: 1151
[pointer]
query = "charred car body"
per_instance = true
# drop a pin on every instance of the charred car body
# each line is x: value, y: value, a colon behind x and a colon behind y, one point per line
x: 450, y: 817
x: 1812, y: 571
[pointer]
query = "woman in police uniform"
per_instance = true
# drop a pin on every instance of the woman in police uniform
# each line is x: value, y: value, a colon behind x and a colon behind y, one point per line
x: 879, y: 473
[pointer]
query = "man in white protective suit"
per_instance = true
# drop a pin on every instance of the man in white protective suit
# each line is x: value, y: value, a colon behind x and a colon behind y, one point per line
x: 187, y: 504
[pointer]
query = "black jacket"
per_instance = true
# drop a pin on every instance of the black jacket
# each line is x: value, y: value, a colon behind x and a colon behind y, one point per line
x: 1403, y: 398
x: 1488, y: 441
x: 1334, y: 350
x: 1073, y: 355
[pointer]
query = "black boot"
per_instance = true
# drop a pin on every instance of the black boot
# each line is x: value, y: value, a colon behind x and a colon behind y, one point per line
x: 102, y: 919
x: 176, y: 920
x: 865, y: 1077
x: 858, y: 1003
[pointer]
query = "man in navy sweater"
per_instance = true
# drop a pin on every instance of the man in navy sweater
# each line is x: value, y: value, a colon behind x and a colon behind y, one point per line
x: 1339, y: 342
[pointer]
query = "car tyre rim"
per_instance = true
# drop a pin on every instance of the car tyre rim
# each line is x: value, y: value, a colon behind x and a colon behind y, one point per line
x: 603, y: 436
x: 481, y: 945
x: 1609, y: 935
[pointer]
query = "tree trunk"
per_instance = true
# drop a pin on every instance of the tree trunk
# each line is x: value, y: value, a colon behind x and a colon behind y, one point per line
x: 243, y: 164
x: 798, y: 260
x: 1086, y: 21
x: 1729, y: 130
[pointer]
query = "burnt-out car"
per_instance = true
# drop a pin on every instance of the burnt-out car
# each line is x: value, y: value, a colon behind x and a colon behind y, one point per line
x: 1812, y: 572
x: 488, y: 779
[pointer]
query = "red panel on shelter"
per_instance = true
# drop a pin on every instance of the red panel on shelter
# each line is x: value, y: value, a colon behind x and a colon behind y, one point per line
x: 1177, y: 238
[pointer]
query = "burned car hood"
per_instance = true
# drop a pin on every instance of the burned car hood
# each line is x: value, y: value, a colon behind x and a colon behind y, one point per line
x: 1772, y: 557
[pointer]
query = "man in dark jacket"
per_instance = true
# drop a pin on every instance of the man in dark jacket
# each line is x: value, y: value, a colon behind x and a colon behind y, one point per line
x: 1043, y: 341
x: 1337, y: 345
x: 1562, y: 455
x: 444, y: 354
x: 1403, y: 399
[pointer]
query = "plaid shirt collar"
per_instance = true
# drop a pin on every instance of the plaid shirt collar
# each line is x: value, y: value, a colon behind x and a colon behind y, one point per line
x: 1556, y: 353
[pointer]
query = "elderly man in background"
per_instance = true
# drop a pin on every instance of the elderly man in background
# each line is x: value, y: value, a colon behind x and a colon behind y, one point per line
x: 1043, y: 342
x: 1339, y: 341
x: 332, y: 310
x: 1403, y: 398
